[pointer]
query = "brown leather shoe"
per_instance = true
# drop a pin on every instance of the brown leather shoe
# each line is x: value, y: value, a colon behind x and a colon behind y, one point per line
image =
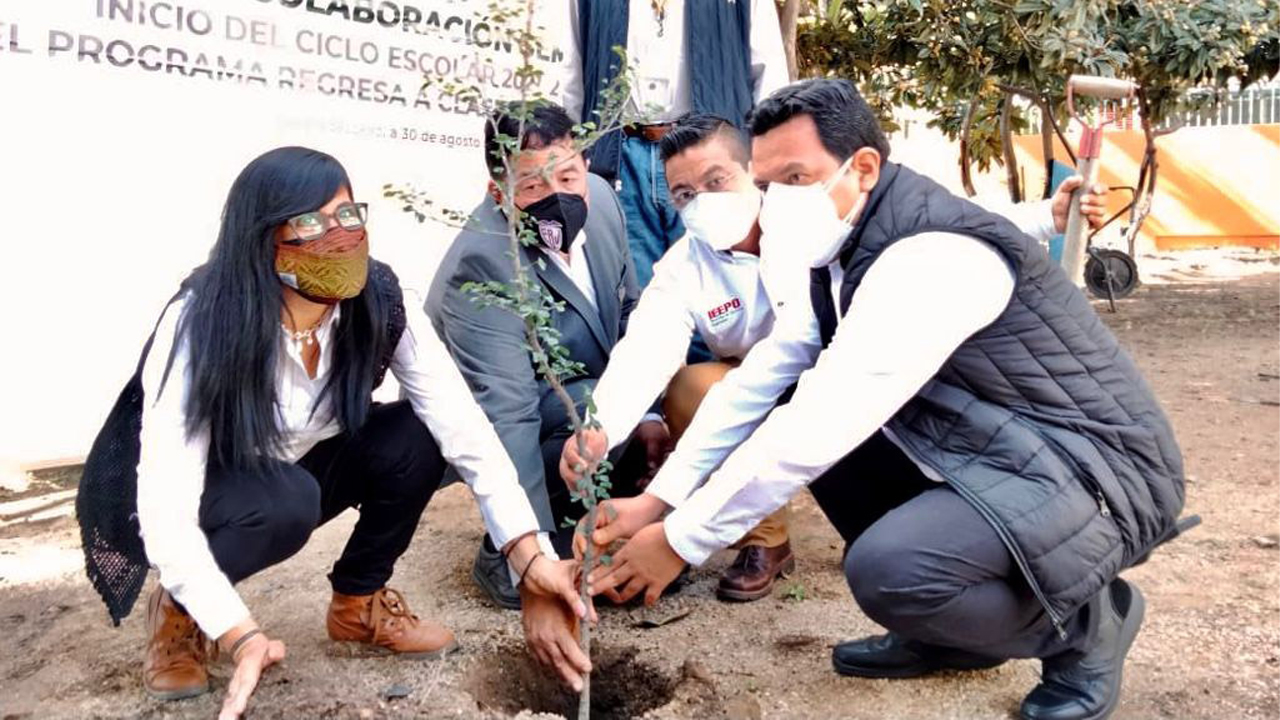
x: 751, y: 575
x: 382, y: 624
x: 174, y: 667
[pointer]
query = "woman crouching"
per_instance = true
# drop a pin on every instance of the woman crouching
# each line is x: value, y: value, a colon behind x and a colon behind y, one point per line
x: 257, y: 426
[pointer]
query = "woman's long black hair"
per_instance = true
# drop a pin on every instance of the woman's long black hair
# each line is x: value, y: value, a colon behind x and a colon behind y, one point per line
x: 232, y: 316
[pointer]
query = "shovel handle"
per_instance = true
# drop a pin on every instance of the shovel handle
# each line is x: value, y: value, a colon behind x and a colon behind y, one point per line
x: 1075, y: 239
x: 1100, y: 87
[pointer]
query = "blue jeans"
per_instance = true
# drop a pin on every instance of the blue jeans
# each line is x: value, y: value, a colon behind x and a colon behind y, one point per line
x: 653, y: 225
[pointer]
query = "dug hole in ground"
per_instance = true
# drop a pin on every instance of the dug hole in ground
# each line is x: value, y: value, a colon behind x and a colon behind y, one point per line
x: 1205, y: 329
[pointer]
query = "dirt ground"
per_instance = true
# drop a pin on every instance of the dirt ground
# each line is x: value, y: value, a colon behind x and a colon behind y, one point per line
x: 1210, y: 647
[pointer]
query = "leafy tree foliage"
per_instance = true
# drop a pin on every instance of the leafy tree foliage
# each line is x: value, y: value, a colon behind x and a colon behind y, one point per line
x: 962, y: 60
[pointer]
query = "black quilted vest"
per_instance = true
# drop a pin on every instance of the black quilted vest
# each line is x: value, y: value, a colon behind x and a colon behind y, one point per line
x: 107, y: 501
x: 1040, y: 420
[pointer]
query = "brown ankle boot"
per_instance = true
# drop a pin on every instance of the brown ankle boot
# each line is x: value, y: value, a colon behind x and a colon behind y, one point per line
x: 174, y: 667
x: 382, y: 623
x: 751, y: 575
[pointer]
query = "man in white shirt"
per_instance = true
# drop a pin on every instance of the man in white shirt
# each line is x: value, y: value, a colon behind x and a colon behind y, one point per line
x: 711, y: 283
x: 715, y: 56
x: 975, y: 433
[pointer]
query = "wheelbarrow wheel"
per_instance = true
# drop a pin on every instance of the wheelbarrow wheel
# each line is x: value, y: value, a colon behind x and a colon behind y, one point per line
x: 1121, y: 267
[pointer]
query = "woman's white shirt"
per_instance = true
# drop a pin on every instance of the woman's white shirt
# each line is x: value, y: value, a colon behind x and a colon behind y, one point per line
x: 171, y: 468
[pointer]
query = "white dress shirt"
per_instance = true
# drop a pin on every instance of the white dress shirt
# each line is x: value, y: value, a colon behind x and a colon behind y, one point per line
x: 576, y: 267
x: 922, y: 298
x: 731, y: 299
x: 719, y: 293
x: 171, y: 469
x: 662, y: 76
x: 1034, y: 218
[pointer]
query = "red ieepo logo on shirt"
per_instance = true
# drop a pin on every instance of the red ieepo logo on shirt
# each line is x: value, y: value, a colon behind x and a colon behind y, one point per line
x: 722, y: 313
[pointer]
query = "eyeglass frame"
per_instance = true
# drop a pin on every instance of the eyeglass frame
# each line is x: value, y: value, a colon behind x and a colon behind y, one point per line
x: 679, y: 202
x: 362, y: 212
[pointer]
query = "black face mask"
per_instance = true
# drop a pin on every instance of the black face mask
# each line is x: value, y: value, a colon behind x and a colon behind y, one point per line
x: 558, y: 219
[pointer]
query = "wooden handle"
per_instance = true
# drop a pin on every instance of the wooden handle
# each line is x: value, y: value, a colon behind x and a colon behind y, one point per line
x: 1075, y: 239
x: 1102, y: 87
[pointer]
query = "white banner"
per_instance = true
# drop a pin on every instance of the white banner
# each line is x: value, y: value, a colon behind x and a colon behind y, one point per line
x: 124, y: 122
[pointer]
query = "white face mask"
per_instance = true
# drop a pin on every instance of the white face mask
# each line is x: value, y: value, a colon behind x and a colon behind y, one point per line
x: 801, y: 221
x: 722, y: 219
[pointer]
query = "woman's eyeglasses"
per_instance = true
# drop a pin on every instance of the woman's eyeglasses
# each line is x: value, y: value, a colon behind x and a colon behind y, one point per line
x: 313, y: 225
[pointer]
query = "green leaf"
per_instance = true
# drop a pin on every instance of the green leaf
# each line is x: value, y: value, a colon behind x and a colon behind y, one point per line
x: 795, y: 592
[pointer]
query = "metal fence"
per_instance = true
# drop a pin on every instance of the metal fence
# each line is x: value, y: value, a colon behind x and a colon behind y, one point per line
x: 1253, y: 106
x: 1203, y: 108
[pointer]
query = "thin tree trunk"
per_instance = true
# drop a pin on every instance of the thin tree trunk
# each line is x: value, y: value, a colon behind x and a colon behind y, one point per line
x: 584, y: 626
x: 1046, y: 108
x: 1057, y: 129
x: 1148, y: 172
x: 788, y: 17
x: 1046, y: 148
x: 585, y: 484
x: 966, y: 172
x: 1006, y: 146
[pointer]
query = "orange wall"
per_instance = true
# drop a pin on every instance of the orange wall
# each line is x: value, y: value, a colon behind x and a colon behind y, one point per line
x: 1217, y: 185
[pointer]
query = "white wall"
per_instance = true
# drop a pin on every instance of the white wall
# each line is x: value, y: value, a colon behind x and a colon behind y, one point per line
x: 112, y: 176
x: 928, y: 151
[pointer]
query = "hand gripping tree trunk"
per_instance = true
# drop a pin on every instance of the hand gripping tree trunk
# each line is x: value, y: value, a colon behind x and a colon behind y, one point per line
x: 524, y: 296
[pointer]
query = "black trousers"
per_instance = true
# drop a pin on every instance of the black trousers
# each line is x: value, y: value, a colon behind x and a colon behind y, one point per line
x: 922, y: 562
x: 389, y: 469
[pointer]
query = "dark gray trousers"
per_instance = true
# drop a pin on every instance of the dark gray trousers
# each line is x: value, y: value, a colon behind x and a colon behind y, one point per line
x: 924, y: 564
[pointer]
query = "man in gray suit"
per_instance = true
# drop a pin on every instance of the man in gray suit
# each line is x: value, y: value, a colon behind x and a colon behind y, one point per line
x: 583, y: 261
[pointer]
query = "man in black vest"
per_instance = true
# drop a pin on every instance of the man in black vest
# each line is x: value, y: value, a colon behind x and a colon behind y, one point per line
x: 991, y: 456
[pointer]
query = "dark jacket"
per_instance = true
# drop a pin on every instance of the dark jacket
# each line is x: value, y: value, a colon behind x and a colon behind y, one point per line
x: 488, y: 343
x: 1040, y: 420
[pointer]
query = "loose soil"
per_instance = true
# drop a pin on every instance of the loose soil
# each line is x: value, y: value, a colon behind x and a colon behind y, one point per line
x: 511, y: 681
x: 1210, y: 647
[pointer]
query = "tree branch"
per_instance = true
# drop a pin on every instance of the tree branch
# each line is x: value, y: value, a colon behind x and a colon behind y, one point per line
x: 1046, y: 113
x: 788, y: 19
x: 523, y: 295
x: 1006, y: 146
x: 966, y: 172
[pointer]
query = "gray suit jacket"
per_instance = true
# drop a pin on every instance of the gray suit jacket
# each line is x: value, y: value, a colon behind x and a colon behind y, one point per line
x: 488, y: 343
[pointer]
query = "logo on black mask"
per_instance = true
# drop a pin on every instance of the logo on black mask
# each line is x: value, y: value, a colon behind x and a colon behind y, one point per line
x: 560, y: 218
x: 552, y: 233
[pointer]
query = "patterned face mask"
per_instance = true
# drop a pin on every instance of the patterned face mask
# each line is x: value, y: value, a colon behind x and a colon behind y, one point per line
x: 328, y: 269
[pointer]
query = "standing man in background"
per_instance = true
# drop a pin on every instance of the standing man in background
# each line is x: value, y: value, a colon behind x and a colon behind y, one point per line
x: 737, y: 59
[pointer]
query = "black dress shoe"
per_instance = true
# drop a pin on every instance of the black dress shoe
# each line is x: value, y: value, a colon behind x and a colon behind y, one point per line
x: 491, y: 574
x: 893, y: 656
x: 1086, y: 685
